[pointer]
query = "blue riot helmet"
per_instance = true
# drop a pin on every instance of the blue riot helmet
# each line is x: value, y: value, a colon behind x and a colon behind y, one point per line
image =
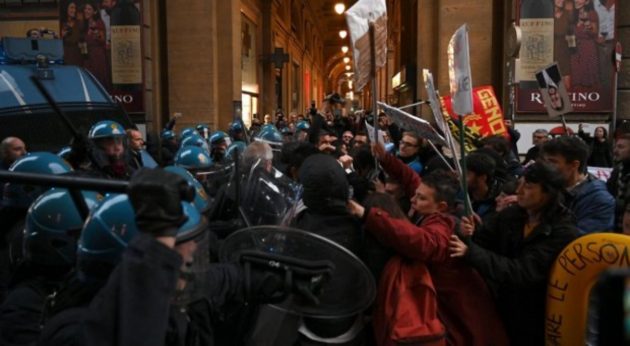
x: 218, y: 137
x: 64, y: 152
x: 53, y: 225
x: 301, y: 130
x: 194, y: 140
x: 236, y: 130
x: 109, y: 229
x: 238, y: 145
x: 169, y: 140
x: 21, y: 196
x: 193, y: 158
x: 167, y: 135
x: 201, y: 201
x: 186, y: 132
x: 219, y: 143
x: 268, y: 127
x: 110, y: 148
x: 272, y: 136
x: 203, y: 130
x: 106, y: 129
x: 302, y: 125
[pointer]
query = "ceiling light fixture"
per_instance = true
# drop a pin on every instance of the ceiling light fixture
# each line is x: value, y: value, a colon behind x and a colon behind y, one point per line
x: 346, y: 60
x: 344, y: 49
x: 343, y: 34
x: 348, y: 67
x: 340, y: 8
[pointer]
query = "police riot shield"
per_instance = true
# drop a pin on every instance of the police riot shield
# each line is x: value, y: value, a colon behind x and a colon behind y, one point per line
x: 216, y: 176
x: 268, y: 197
x: 342, y: 285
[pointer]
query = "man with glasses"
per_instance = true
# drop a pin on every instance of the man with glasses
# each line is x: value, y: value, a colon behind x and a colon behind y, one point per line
x: 409, y: 149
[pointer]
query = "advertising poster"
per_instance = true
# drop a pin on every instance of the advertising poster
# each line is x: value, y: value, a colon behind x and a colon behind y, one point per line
x: 553, y: 91
x: 580, y: 36
x: 105, y: 37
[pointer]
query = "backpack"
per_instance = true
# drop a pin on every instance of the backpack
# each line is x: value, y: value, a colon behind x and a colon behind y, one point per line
x: 407, y: 309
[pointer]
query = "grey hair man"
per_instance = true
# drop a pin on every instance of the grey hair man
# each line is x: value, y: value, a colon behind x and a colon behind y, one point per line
x: 258, y: 153
x: 539, y: 137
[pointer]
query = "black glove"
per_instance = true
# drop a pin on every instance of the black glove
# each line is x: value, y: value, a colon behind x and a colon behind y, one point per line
x: 264, y: 286
x: 271, y: 284
x: 155, y: 195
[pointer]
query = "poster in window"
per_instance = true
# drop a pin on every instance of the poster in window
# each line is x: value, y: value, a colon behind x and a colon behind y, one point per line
x: 577, y: 34
x: 105, y: 37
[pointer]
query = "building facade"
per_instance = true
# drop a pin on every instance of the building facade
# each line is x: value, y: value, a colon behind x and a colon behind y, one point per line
x: 211, y: 60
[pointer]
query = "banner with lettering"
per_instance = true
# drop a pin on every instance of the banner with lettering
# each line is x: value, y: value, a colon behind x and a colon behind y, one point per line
x: 106, y: 39
x: 581, y: 38
x: 487, y: 117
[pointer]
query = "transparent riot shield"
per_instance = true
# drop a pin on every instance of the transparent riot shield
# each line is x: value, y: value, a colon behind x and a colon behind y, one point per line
x: 268, y: 197
x: 342, y: 284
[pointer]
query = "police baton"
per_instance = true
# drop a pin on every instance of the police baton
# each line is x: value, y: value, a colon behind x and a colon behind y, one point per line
x: 74, y: 184
x: 75, y: 133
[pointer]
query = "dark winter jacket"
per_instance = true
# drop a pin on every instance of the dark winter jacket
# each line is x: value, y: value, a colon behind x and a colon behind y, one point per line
x: 21, y: 313
x: 134, y: 307
x: 592, y: 205
x: 532, y: 154
x: 600, y: 153
x: 517, y: 269
x: 619, y: 187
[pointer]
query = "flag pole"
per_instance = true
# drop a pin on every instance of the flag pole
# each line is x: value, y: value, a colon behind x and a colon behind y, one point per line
x: 372, y: 33
x: 617, y: 55
x: 421, y: 102
x: 564, y: 125
x: 464, y: 180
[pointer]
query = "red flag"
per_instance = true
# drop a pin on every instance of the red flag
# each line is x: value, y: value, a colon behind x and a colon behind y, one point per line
x: 487, y: 119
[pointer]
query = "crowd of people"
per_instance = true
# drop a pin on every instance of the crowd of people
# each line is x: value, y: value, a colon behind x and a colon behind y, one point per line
x: 143, y: 267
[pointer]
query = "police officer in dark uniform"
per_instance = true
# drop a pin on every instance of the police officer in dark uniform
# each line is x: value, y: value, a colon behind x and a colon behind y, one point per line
x: 104, y: 153
x: 163, y: 291
x: 14, y: 203
x: 50, y: 233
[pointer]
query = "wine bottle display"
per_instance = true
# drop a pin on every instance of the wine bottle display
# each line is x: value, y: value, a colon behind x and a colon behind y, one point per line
x: 126, y: 45
x: 537, y: 25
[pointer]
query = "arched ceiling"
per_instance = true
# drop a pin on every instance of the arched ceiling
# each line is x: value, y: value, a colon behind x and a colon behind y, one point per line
x: 330, y: 23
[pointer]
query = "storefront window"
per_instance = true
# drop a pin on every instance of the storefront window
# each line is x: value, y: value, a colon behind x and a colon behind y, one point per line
x: 249, y: 80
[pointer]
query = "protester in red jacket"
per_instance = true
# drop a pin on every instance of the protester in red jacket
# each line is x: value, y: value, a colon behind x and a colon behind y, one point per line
x: 464, y: 302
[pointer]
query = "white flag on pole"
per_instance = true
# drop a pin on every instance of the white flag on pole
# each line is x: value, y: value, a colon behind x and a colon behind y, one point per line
x: 404, y: 120
x: 459, y: 72
x: 436, y: 107
x: 358, y: 18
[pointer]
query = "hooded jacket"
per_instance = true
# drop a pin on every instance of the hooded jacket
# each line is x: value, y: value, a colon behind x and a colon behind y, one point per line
x: 326, y: 191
